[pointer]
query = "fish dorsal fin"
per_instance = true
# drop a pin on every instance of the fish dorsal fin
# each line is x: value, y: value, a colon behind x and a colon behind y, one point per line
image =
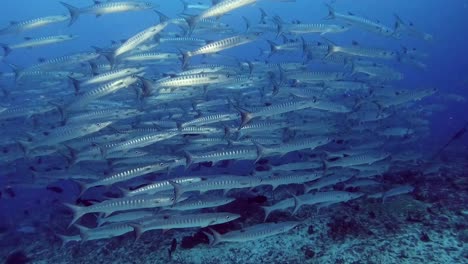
x: 96, y: 2
x: 13, y: 22
x: 351, y: 14
x: 27, y: 38
x: 355, y: 43
x: 41, y: 59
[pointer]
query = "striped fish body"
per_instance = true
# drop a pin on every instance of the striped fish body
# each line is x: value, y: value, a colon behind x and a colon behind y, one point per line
x: 223, y: 44
x: 140, y: 38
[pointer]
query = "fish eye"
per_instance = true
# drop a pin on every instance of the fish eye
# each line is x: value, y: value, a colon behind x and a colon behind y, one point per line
x: 227, y: 217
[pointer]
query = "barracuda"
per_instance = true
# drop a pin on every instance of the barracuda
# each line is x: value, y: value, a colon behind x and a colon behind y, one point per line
x: 276, y: 181
x: 210, y: 119
x: 108, y: 77
x: 223, y: 182
x: 62, y: 134
x: 324, y: 197
x: 21, y: 26
x: 285, y: 107
x: 140, y: 38
x: 139, y: 142
x: 201, y: 79
x: 152, y: 57
x: 101, y: 91
x: 362, y: 23
x: 244, y: 153
x: 296, y: 29
x: 120, y: 204
x: 105, y: 8
x: 366, y: 158
x: 308, y: 143
x: 161, y: 186
x: 218, y: 46
x: 359, y: 51
x: 107, y: 231
x: 124, y: 175
x: 255, y: 232
x: 200, y: 203
x: 185, y: 221
x: 32, y: 43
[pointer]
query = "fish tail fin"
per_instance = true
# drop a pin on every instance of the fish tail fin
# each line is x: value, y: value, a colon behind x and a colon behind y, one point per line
x: 177, y: 190
x: 267, y: 211
x: 331, y: 12
x: 383, y: 198
x: 260, y: 150
x: 82, y: 186
x: 63, y: 239
x: 247, y: 24
x: 324, y: 166
x: 77, y: 212
x: 100, y: 220
x: 297, y: 204
x: 137, y: 230
x: 185, y: 58
x: 332, y: 48
x: 124, y: 192
x: 246, y: 116
x: 84, y: 232
x: 275, y: 87
x: 210, y: 237
x: 61, y: 110
x: 227, y: 132
x: 94, y: 68
x: 185, y: 5
x: 73, y: 155
x: 273, y: 48
x: 162, y: 17
x: 192, y: 23
x: 146, y: 86
x: 279, y: 25
x: 111, y: 58
x: 399, y: 26
x: 109, y: 55
x: 102, y: 149
x: 215, y: 238
x: 25, y: 146
x: 399, y: 23
x: 74, y: 12
x: 75, y: 83
x: 6, y: 49
x: 17, y: 70
x: 188, y: 159
x: 263, y: 15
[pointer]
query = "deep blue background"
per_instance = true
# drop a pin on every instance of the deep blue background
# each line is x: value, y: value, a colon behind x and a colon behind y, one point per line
x: 446, y: 20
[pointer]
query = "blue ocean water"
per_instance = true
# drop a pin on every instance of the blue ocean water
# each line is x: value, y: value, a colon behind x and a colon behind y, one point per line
x: 32, y: 211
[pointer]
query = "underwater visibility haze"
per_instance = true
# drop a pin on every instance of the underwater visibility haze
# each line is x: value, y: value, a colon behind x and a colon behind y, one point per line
x: 233, y: 131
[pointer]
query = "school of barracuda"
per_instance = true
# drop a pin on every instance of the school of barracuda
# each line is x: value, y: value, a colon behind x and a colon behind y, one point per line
x: 168, y: 98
